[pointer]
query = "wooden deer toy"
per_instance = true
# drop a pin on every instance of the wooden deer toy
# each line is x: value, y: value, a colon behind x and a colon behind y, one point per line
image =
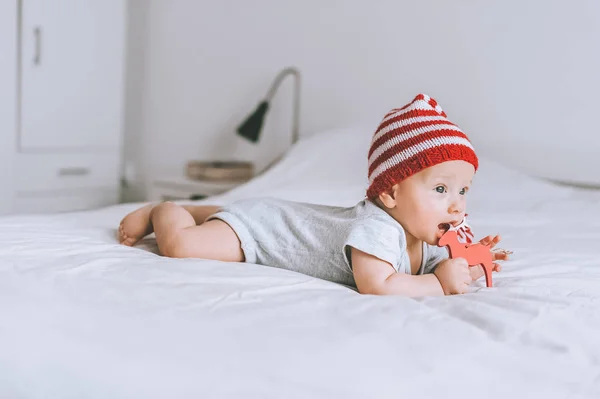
x: 475, y: 254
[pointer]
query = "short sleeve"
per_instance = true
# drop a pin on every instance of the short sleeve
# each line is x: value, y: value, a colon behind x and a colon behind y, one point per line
x: 435, y: 255
x: 378, y: 238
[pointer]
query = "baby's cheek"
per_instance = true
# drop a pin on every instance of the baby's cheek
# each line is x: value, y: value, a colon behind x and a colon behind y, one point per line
x: 433, y: 212
x: 429, y: 221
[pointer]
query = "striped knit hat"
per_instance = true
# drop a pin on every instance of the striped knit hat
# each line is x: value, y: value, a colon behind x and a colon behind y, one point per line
x: 412, y: 138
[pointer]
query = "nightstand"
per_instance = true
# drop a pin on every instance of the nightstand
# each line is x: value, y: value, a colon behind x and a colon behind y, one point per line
x: 181, y: 188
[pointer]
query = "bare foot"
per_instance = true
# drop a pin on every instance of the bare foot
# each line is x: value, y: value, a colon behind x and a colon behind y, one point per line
x: 135, y: 226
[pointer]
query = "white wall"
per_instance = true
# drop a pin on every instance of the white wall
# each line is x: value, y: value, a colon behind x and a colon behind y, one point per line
x: 8, y: 90
x: 519, y: 77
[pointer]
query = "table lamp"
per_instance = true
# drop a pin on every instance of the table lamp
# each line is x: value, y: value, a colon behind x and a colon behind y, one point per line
x: 251, y: 127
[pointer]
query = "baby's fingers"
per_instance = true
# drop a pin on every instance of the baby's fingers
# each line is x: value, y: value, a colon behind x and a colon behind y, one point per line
x: 497, y: 267
x: 495, y: 241
x: 490, y: 240
x: 501, y: 254
x: 486, y: 240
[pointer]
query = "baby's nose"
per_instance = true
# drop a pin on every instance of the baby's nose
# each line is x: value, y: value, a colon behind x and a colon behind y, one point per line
x: 456, y: 208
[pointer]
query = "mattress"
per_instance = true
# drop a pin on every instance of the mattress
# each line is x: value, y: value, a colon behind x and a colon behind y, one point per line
x: 84, y: 317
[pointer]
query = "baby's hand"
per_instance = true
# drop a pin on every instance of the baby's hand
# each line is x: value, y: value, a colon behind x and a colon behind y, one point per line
x: 454, y: 276
x: 499, y: 254
x: 477, y: 271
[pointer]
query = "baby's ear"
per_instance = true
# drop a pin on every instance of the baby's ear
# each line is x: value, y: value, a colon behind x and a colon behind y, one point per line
x: 388, y: 197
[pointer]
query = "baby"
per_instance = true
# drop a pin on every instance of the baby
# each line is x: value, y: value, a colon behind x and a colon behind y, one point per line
x: 420, y: 169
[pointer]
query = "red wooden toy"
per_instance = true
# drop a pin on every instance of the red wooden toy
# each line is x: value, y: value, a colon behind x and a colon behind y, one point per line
x: 475, y: 254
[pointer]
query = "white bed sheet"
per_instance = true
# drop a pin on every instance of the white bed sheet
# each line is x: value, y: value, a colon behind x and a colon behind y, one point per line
x: 81, y: 316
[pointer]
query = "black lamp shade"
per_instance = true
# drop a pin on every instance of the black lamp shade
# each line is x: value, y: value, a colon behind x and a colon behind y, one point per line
x: 251, y: 127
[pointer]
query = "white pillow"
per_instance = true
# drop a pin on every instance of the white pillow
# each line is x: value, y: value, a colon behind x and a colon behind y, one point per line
x: 329, y: 167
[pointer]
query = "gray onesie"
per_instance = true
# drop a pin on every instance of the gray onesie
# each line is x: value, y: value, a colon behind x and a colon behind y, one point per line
x: 315, y: 239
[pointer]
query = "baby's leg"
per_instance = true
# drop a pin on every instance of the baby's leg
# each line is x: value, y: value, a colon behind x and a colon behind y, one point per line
x: 137, y: 224
x: 178, y: 236
x: 201, y: 212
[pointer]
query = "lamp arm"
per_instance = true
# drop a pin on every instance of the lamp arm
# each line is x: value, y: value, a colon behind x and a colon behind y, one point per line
x: 273, y: 89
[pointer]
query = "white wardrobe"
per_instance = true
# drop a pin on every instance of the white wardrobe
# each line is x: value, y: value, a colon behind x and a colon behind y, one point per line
x: 65, y: 61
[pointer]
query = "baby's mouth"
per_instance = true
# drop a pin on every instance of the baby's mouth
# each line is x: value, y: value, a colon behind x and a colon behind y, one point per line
x: 442, y: 229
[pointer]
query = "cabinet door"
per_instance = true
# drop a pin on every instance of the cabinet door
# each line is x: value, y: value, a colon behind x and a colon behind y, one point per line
x: 8, y: 100
x: 72, y: 67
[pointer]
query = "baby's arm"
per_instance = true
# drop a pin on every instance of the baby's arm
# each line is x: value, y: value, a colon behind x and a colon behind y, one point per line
x: 375, y: 276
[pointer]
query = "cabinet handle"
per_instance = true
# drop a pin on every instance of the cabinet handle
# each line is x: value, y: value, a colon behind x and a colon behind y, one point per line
x: 37, y: 33
x: 73, y: 172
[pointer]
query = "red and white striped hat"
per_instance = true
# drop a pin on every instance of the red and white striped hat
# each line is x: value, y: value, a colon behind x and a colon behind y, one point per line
x: 412, y: 138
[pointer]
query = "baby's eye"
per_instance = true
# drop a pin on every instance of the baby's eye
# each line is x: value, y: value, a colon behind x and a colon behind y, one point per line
x: 440, y: 189
x: 463, y: 191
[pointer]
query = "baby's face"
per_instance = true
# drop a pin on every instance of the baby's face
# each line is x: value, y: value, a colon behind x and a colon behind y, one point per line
x: 429, y: 200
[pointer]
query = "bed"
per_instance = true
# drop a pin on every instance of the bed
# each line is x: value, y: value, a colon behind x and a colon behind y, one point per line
x: 84, y: 317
